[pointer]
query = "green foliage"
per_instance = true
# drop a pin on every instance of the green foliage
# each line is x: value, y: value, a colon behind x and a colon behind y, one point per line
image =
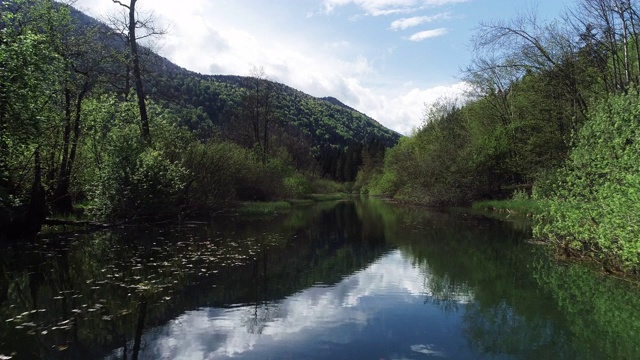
x: 132, y: 179
x: 222, y: 172
x: 264, y: 208
x: 66, y: 95
x: 30, y: 70
x: 431, y: 167
x: 219, y: 173
x: 327, y: 186
x: 497, y: 141
x: 595, y: 205
x: 325, y: 130
x: 387, y: 183
x: 298, y: 185
x: 523, y: 207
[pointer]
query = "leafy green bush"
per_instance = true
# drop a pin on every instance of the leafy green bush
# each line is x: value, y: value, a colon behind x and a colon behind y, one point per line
x: 222, y: 172
x: 327, y: 186
x: 298, y: 185
x: 123, y: 176
x: 595, y: 207
x: 385, y: 185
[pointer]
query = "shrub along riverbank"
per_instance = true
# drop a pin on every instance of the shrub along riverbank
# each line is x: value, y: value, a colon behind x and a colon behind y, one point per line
x: 552, y: 108
x: 588, y: 207
x: 594, y: 200
x: 520, y: 204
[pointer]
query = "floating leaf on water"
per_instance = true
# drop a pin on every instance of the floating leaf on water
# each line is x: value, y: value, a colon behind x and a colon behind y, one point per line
x: 62, y: 347
x: 58, y: 298
x: 10, y: 320
x: 44, y: 332
x: 5, y: 357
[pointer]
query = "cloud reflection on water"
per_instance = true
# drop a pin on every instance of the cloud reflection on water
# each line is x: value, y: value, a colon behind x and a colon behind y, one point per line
x: 320, y: 316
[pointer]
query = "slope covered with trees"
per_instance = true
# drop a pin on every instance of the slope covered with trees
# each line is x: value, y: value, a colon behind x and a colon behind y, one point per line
x: 553, y: 111
x: 89, y: 117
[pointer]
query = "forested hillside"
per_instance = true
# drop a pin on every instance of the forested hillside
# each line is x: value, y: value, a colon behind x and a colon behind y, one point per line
x: 554, y: 113
x: 94, y: 123
x: 332, y: 131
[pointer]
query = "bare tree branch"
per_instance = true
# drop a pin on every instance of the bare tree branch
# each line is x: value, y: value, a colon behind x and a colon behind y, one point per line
x: 120, y: 3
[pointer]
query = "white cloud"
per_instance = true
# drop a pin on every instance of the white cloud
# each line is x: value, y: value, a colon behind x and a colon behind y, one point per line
x: 428, y: 34
x: 402, y: 110
x: 208, y: 41
x: 387, y: 7
x: 406, y: 23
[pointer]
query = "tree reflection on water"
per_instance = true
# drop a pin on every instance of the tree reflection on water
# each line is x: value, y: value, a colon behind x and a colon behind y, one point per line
x: 338, y: 280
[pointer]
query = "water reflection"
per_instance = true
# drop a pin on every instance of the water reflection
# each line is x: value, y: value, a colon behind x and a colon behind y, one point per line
x: 361, y: 279
x: 345, y: 315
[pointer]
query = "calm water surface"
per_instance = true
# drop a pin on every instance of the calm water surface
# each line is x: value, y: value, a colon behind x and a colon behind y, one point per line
x: 357, y: 279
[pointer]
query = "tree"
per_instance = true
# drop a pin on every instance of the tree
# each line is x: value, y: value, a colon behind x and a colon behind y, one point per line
x: 85, y: 62
x: 30, y: 72
x: 133, y: 25
x: 528, y: 45
x: 257, y: 111
x: 608, y: 28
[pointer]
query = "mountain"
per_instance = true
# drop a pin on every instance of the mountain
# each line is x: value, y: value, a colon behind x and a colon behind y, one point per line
x: 210, y: 105
x: 325, y: 120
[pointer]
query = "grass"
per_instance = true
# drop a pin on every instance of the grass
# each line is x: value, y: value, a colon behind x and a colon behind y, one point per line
x: 327, y: 197
x: 264, y: 208
x: 523, y: 207
x: 276, y: 207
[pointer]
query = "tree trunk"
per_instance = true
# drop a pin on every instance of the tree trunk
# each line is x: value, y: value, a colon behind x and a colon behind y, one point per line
x: 144, y: 119
x: 62, y: 202
x: 37, y: 211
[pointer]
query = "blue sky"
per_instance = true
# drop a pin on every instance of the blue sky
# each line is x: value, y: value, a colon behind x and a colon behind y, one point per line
x: 386, y: 58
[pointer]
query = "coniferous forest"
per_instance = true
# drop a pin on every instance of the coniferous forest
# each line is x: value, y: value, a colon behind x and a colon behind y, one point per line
x: 94, y: 123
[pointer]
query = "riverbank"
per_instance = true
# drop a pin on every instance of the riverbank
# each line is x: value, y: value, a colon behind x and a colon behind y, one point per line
x: 565, y: 249
x: 521, y: 207
x: 248, y: 208
x: 276, y: 207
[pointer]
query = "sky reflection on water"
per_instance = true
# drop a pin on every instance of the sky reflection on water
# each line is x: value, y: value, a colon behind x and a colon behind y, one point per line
x: 380, y: 312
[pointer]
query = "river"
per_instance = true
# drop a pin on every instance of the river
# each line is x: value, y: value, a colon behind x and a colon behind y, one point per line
x: 361, y: 279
